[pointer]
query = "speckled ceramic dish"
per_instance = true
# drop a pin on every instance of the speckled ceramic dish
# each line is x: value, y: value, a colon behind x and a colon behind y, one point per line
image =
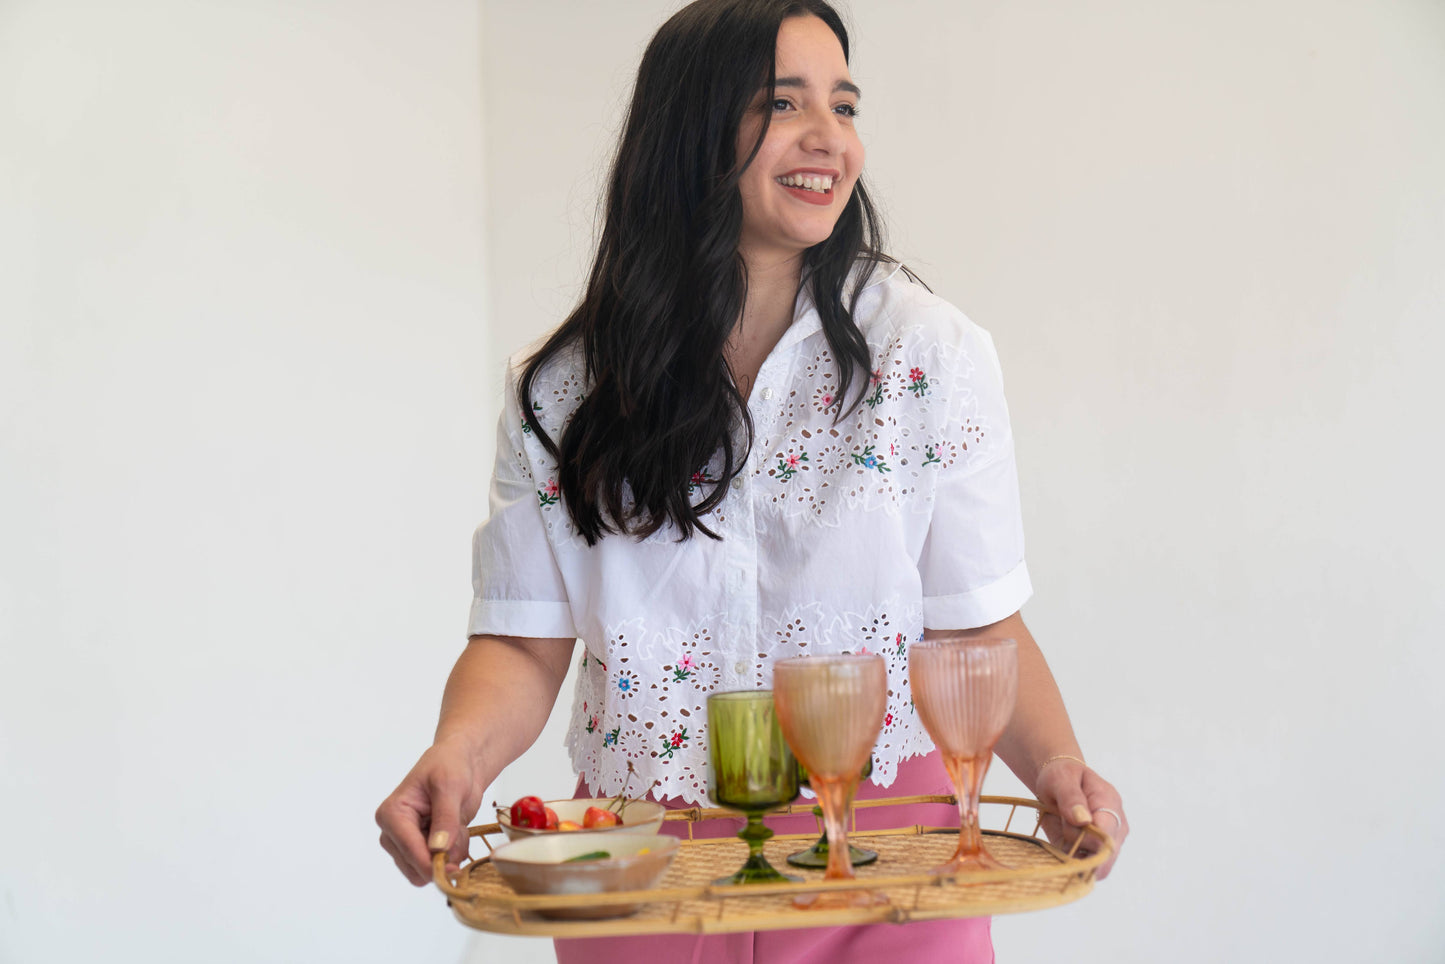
x: 641, y: 816
x: 539, y: 865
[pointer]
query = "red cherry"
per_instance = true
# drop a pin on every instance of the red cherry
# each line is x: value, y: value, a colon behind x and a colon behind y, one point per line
x: 597, y: 817
x: 529, y: 812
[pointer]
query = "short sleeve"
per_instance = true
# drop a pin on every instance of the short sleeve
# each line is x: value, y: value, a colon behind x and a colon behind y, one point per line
x: 518, y: 589
x: 972, y: 564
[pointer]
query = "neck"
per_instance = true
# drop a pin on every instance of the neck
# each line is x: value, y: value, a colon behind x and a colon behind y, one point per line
x: 767, y: 313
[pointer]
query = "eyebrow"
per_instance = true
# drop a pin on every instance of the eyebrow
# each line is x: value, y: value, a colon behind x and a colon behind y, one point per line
x: 848, y: 86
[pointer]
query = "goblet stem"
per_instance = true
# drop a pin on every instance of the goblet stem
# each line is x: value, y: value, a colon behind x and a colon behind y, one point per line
x: 835, y: 795
x: 967, y: 775
x: 756, y: 869
x: 816, y: 856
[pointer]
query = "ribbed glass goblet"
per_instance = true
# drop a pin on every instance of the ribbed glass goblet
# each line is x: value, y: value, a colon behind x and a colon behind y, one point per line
x: 751, y: 770
x: 964, y: 690
x: 831, y: 709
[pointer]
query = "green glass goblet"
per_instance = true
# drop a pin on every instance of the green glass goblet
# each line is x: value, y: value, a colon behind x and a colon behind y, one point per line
x: 816, y: 856
x: 751, y: 770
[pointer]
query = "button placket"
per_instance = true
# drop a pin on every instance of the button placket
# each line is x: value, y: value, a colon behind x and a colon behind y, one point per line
x: 765, y: 418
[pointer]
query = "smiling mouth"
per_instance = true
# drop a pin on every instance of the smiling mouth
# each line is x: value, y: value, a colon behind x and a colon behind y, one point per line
x: 817, y: 183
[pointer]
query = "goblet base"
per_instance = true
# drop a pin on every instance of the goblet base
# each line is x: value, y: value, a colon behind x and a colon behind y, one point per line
x: 840, y: 900
x: 756, y: 870
x: 964, y: 863
x: 816, y: 856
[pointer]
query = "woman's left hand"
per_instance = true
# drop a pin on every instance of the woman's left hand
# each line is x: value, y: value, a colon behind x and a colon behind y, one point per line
x: 1080, y: 796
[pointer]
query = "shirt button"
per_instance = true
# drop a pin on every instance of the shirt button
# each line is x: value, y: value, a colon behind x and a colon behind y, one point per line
x: 741, y: 666
x: 767, y: 394
x: 737, y: 481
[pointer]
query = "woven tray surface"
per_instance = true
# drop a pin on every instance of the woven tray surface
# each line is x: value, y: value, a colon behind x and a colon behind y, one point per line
x: 686, y: 902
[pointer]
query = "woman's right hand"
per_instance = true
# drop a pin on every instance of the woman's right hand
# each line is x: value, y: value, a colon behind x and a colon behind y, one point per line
x: 431, y: 809
x: 496, y: 702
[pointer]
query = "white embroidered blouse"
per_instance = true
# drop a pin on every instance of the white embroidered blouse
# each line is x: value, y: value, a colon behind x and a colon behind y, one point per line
x: 848, y: 537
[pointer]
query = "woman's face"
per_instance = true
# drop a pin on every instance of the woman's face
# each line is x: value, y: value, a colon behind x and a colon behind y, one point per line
x: 804, y: 172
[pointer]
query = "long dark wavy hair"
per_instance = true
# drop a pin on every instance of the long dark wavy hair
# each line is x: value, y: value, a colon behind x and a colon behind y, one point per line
x: 668, y: 285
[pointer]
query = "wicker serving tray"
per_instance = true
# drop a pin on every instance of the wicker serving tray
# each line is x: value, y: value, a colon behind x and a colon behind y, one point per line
x: 687, y: 902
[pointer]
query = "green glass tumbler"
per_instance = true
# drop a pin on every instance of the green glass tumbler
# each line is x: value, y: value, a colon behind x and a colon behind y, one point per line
x: 751, y: 770
x: 816, y: 856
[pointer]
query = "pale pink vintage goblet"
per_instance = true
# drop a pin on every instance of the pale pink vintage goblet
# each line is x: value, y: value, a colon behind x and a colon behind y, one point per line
x: 964, y: 690
x: 830, y: 709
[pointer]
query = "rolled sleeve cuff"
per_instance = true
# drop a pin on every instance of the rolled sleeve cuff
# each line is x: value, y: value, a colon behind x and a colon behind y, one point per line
x: 982, y: 606
x: 518, y: 617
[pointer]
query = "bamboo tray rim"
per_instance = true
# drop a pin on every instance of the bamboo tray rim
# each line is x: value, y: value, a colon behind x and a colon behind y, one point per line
x: 1076, y: 875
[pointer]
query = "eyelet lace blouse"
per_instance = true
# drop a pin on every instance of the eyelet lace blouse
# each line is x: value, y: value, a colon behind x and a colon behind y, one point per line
x: 850, y: 537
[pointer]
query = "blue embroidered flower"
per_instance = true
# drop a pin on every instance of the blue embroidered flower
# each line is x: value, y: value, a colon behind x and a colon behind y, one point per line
x: 628, y: 685
x: 868, y: 460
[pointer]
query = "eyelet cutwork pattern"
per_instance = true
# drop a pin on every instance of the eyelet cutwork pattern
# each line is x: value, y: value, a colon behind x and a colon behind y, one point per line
x: 918, y: 415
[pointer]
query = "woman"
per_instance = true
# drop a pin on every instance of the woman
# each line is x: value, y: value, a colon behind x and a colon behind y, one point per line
x: 754, y: 438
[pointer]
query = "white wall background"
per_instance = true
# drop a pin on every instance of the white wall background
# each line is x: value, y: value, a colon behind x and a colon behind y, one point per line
x: 248, y: 379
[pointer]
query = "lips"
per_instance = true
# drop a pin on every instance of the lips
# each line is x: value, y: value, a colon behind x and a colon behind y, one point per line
x: 813, y: 186
x: 818, y: 183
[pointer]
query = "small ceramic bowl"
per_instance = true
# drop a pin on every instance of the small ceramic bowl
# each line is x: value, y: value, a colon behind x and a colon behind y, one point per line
x: 641, y: 816
x: 538, y: 865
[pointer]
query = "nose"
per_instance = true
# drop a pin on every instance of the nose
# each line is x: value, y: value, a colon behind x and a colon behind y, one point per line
x: 824, y: 134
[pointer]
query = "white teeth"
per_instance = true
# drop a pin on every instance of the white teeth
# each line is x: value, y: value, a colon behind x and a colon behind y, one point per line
x: 817, y: 183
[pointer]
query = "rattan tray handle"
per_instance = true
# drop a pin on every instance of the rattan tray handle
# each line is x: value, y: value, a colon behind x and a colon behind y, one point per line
x: 443, y: 881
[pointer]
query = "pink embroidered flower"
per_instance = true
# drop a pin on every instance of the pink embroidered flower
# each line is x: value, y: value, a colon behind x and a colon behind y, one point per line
x: 792, y: 461
x: 685, y: 662
x: 676, y: 740
x: 875, y: 377
x: 827, y: 400
x: 915, y: 374
x: 888, y: 720
x: 552, y: 487
x: 698, y: 478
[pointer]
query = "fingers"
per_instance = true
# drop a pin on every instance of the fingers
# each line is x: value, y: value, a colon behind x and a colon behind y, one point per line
x: 1107, y: 809
x: 1080, y: 796
x: 402, y: 825
x: 1071, y: 803
x: 448, y: 829
x: 402, y: 863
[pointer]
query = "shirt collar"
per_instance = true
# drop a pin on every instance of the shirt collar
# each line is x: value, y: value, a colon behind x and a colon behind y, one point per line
x: 806, y: 320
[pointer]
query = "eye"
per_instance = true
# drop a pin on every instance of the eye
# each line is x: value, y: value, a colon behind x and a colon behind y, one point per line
x: 847, y: 110
x: 782, y: 104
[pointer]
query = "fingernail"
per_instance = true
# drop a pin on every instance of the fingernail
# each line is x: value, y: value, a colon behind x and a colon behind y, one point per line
x: 1080, y: 813
x: 440, y: 839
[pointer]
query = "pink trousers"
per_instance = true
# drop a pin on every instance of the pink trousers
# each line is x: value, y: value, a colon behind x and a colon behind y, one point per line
x: 961, y: 941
